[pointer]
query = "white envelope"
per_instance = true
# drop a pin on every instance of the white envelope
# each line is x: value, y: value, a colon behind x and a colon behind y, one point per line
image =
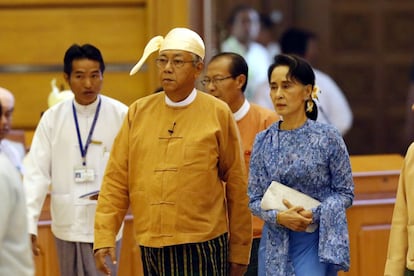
x: 274, y: 195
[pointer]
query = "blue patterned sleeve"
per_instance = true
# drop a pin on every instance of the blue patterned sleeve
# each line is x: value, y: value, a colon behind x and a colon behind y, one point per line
x: 333, y: 232
x: 259, y: 179
x: 340, y: 166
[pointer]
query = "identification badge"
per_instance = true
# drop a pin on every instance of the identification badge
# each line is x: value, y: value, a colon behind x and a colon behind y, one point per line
x: 83, y: 175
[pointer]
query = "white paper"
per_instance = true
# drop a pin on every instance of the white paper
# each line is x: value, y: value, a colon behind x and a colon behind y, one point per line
x: 274, y: 195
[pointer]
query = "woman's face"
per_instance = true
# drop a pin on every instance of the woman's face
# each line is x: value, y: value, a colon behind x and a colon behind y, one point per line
x: 288, y: 96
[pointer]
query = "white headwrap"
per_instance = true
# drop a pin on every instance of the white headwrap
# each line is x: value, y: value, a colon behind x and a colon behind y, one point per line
x: 177, y: 39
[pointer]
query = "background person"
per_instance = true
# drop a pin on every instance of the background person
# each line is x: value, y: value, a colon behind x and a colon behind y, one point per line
x: 333, y: 106
x: 267, y: 36
x: 170, y: 173
x: 13, y: 150
x: 226, y: 79
x: 310, y: 157
x: 68, y: 155
x: 15, y: 253
x: 244, y: 25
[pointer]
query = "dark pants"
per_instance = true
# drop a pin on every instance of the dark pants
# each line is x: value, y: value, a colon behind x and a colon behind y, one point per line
x: 408, y: 272
x: 252, y: 268
x: 205, y: 258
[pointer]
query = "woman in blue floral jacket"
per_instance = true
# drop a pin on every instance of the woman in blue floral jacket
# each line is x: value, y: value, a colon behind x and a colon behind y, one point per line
x: 312, y: 158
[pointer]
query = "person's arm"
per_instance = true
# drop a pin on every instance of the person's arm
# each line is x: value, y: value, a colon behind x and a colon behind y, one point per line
x: 233, y: 169
x: 113, y: 200
x: 398, y: 238
x: 37, y: 175
x: 259, y: 180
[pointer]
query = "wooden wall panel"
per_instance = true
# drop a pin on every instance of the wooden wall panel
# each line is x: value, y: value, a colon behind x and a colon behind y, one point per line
x: 378, y: 37
x: 41, y: 35
x: 373, y: 242
x: 35, y: 35
x: 369, y: 223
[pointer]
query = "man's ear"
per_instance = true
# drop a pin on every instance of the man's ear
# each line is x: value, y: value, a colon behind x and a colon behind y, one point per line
x: 66, y: 77
x: 199, y: 68
x: 241, y: 80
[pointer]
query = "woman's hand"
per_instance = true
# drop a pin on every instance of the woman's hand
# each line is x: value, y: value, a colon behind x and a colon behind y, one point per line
x: 295, y: 218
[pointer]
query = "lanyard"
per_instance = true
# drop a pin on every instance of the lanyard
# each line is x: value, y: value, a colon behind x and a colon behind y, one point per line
x: 88, y: 141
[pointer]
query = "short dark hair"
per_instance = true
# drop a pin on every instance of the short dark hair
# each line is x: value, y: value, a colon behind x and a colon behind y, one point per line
x: 87, y: 51
x: 238, y: 65
x: 295, y: 41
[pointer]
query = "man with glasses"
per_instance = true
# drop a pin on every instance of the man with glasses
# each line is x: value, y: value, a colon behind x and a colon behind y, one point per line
x: 226, y: 79
x: 169, y: 161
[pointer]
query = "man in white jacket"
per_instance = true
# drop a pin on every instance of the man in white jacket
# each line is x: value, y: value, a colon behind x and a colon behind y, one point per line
x: 15, y: 256
x: 67, y: 158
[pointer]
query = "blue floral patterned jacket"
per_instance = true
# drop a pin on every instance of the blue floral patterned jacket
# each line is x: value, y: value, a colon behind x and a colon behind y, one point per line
x: 314, y: 160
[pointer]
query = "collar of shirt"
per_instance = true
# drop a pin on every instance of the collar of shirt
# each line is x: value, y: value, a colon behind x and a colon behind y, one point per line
x: 184, y: 102
x: 239, y: 114
x: 86, y: 109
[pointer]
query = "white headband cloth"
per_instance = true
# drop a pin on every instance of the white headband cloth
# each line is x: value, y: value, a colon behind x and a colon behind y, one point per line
x: 177, y: 39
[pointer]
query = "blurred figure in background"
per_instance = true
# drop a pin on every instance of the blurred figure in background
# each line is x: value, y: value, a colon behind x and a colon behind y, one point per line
x: 332, y: 104
x: 244, y: 24
x: 13, y: 150
x: 267, y: 36
x: 15, y: 253
x: 226, y: 79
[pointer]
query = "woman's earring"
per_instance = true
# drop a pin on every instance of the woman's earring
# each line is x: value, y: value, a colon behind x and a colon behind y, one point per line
x: 309, y: 105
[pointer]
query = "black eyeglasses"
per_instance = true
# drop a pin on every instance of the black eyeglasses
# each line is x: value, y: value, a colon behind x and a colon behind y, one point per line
x: 215, y: 80
x: 177, y: 63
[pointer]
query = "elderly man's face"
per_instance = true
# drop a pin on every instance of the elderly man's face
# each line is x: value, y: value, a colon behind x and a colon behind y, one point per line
x: 178, y: 71
x: 7, y: 103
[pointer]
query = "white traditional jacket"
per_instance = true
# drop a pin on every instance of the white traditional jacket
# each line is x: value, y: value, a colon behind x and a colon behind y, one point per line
x: 54, y: 157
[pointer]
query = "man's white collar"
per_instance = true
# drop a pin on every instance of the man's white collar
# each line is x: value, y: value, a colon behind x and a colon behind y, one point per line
x: 239, y: 114
x: 184, y: 102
